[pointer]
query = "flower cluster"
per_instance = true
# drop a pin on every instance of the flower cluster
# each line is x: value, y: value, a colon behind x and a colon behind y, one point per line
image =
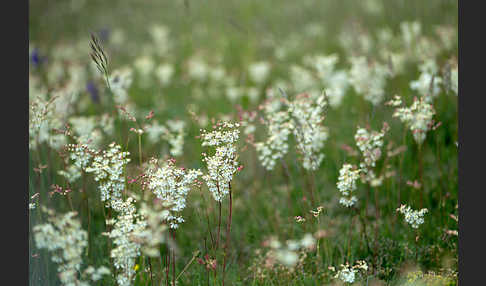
x: 279, y: 128
x: 368, y: 79
x: 81, y: 155
x: 308, y: 115
x: 120, y: 81
x: 108, y: 168
x: 347, y: 184
x: 428, y: 83
x: 175, y: 136
x: 413, y: 217
x: 164, y: 73
x: 287, y: 254
x: 64, y: 237
x: 171, y: 185
x: 223, y: 164
x: 155, y: 231
x: 335, y: 81
x: 173, y: 132
x: 42, y: 119
x: 348, y: 273
x: 418, y: 117
x: 259, y: 71
x: 87, y: 130
x: 369, y: 143
x: 127, y: 249
x: 301, y: 117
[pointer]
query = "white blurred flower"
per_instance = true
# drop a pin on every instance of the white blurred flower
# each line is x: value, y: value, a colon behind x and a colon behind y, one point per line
x: 369, y: 80
x: 418, y: 117
x: 164, y: 73
x: 259, y: 71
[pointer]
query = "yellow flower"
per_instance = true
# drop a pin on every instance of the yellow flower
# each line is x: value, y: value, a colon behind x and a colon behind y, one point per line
x: 136, y: 267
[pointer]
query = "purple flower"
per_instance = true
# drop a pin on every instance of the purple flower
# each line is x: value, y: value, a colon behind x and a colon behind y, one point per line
x: 93, y: 91
x: 36, y: 58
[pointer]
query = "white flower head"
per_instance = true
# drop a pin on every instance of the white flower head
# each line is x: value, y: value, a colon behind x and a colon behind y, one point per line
x: 223, y: 164
x: 414, y: 217
x: 171, y: 184
x: 347, y: 184
x: 418, y: 117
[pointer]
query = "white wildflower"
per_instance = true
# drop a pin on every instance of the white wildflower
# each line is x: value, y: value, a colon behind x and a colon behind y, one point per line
x: 144, y: 66
x: 413, y: 217
x: 160, y: 36
x: 428, y: 82
x: 64, y: 237
x: 120, y: 81
x: 347, y: 184
x: 155, y: 232
x: 259, y: 71
x: 126, y: 249
x: 108, y: 168
x: 198, y: 69
x: 164, y: 73
x: 349, y: 274
x: 223, y: 164
x: 302, y: 79
x: 171, y: 185
x: 369, y: 80
x: 418, y: 118
x: 72, y: 173
x: 279, y: 126
x: 370, y: 144
x: 411, y: 31
x: 308, y: 129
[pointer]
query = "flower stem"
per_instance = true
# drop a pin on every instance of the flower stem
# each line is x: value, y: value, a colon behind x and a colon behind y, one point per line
x: 228, y: 230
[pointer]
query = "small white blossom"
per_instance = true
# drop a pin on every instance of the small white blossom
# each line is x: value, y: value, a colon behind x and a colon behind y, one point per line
x: 164, y: 73
x: 369, y: 80
x: 259, y: 71
x: 418, y: 118
x: 301, y: 117
x: 349, y: 274
x: 308, y: 116
x: 223, y: 164
x: 126, y: 249
x: 108, y: 168
x: 347, y: 184
x: 120, y: 81
x: 428, y: 83
x: 370, y: 144
x: 413, y: 217
x: 171, y: 185
x: 279, y: 126
x: 64, y: 237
